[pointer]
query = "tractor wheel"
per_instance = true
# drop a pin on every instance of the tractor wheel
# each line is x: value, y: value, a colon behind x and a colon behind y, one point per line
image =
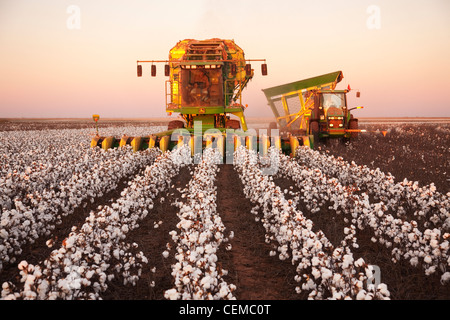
x: 353, y: 125
x: 233, y: 124
x: 314, y: 130
x: 175, y: 124
x: 272, y: 126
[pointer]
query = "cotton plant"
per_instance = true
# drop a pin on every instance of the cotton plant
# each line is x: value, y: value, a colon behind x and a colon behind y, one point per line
x: 325, y: 272
x: 97, y: 252
x: 200, y: 232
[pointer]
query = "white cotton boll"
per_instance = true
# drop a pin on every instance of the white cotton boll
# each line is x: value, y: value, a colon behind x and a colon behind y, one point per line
x: 414, y: 261
x: 315, y: 261
x: 206, y: 282
x: 348, y: 260
x: 434, y: 243
x: 212, y: 258
x: 427, y: 259
x: 383, y: 289
x: 316, y: 273
x: 361, y: 295
x: 359, y: 262
x: 165, y: 254
x: 23, y: 265
x: 326, y: 273
x: 125, y: 228
x: 224, y: 291
x: 445, y: 278
x: 186, y: 280
x: 209, y: 249
x: 171, y: 294
x: 430, y: 270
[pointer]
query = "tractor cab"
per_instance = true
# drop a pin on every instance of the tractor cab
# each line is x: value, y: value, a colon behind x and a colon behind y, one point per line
x: 332, y: 111
x: 311, y: 109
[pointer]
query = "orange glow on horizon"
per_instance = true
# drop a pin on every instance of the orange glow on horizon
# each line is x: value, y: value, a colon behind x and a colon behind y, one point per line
x: 53, y: 64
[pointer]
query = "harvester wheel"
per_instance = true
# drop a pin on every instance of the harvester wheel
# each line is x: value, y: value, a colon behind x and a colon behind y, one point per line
x: 232, y: 124
x: 314, y: 130
x: 175, y: 124
x: 353, y: 125
x: 272, y: 126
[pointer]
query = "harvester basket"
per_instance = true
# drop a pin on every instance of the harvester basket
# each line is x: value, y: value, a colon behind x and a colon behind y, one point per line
x: 292, y: 103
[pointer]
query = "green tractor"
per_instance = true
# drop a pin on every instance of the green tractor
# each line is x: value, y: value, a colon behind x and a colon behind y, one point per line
x: 310, y: 110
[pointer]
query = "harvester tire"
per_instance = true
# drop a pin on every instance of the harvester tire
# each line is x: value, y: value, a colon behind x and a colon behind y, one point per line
x: 314, y: 130
x: 353, y: 125
x: 175, y: 124
x: 233, y: 124
x: 272, y: 126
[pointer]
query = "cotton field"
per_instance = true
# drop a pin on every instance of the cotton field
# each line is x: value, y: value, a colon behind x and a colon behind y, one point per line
x: 85, y: 223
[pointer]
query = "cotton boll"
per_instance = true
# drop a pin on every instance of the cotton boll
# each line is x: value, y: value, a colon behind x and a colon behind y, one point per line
x: 445, y: 278
x: 171, y: 294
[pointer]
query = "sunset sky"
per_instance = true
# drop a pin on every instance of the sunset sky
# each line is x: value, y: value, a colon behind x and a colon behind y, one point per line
x: 75, y: 58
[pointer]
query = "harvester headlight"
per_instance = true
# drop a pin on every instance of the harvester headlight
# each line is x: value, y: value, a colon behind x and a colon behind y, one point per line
x: 331, y: 125
x: 341, y: 125
x: 322, y: 117
x: 208, y: 66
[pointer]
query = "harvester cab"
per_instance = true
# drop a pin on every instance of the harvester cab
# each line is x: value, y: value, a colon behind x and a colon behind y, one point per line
x: 311, y: 109
x: 206, y: 80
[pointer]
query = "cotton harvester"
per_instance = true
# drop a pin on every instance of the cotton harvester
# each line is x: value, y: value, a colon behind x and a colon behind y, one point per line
x: 311, y: 109
x: 206, y: 80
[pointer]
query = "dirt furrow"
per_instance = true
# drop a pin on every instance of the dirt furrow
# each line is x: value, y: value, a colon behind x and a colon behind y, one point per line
x: 152, y: 242
x: 256, y: 274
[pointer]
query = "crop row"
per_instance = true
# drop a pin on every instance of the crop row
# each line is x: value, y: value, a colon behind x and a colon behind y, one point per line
x: 429, y: 248
x: 46, y: 175
x: 197, y: 275
x: 97, y: 252
x: 423, y: 203
x: 34, y: 161
x: 324, y: 271
x: 40, y: 212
